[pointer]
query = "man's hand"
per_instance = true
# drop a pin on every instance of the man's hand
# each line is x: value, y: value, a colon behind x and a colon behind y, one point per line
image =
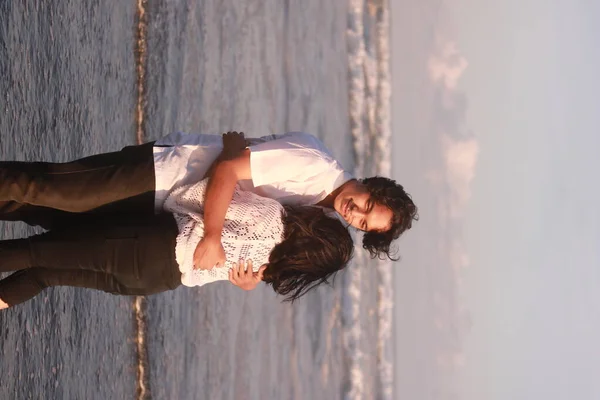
x: 242, y: 276
x: 233, y: 144
x: 209, y: 253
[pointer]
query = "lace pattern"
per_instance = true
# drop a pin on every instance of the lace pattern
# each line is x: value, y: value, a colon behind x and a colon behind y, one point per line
x: 253, y: 226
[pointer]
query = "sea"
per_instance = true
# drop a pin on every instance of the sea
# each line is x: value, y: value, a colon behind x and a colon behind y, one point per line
x: 83, y: 77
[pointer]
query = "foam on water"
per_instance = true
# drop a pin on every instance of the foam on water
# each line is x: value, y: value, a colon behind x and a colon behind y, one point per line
x: 368, y: 50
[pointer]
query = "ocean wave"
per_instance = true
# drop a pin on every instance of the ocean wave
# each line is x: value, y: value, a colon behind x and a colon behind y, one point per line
x: 370, y: 110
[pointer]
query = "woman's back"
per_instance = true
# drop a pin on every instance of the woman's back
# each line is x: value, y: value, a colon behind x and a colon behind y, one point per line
x: 253, y: 227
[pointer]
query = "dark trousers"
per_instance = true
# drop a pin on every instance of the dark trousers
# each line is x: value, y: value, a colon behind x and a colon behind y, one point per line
x: 50, y: 194
x: 125, y: 255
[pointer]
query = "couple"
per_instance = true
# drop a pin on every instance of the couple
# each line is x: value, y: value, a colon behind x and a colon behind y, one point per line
x: 110, y: 227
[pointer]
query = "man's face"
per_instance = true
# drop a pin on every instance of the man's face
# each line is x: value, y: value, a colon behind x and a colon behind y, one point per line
x: 355, y: 205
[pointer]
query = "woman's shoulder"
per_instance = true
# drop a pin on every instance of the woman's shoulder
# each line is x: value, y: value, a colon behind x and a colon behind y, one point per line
x: 255, y: 217
x: 252, y: 199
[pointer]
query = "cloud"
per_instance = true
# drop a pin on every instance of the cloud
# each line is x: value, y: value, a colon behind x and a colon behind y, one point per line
x: 459, y: 146
x: 456, y: 154
x: 447, y: 65
x: 460, y: 160
x: 458, y: 256
x: 451, y: 360
x: 459, y: 151
x: 450, y: 110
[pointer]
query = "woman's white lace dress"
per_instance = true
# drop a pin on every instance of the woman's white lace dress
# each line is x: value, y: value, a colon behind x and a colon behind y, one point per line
x: 253, y: 226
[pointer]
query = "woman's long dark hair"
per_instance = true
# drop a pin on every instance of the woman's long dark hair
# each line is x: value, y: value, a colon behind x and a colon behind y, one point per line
x: 314, y: 248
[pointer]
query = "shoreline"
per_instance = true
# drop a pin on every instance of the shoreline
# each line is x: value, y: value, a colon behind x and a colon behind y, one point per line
x: 139, y: 303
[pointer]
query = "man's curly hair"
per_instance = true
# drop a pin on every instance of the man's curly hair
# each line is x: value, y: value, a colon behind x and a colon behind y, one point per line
x: 388, y: 193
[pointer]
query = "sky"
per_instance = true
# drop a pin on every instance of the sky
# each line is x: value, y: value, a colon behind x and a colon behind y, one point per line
x: 496, y: 129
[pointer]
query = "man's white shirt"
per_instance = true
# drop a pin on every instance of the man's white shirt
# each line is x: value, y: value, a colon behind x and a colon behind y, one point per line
x: 292, y: 168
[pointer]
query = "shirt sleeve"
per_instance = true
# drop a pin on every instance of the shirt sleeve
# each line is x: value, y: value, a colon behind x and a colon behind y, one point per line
x: 295, y: 156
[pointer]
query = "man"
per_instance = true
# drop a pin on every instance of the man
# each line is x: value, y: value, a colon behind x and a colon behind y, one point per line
x: 294, y: 168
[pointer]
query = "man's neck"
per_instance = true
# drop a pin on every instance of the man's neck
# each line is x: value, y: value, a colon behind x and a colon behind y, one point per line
x: 329, y: 201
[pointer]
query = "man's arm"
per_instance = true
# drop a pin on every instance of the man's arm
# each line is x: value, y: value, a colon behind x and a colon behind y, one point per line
x: 233, y: 144
x: 219, y: 192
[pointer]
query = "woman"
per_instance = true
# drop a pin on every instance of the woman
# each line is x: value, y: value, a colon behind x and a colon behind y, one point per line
x: 297, y: 248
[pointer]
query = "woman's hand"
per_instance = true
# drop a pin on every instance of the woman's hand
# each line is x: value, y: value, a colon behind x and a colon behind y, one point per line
x: 241, y: 275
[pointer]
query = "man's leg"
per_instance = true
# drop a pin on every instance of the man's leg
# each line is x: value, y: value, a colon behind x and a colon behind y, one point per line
x: 47, y: 218
x: 123, y: 179
x: 26, y: 284
x: 138, y: 251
